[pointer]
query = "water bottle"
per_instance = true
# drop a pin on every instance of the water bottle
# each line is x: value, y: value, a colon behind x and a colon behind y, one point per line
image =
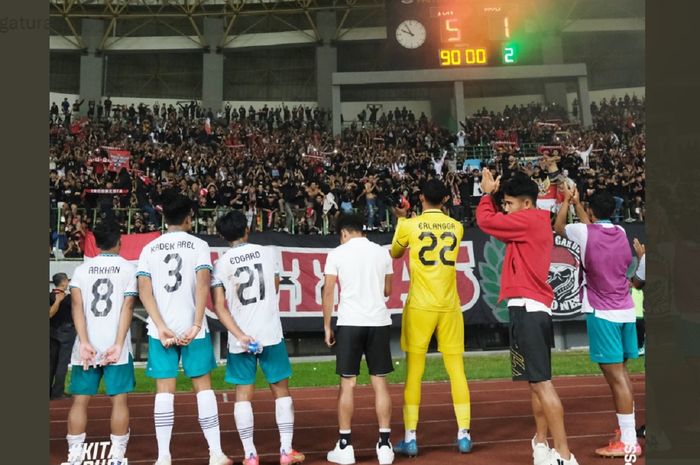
x: 253, y: 347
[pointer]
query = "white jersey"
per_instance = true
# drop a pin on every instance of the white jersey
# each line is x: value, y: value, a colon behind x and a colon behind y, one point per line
x: 104, y: 282
x: 172, y: 262
x: 247, y: 273
x: 361, y: 267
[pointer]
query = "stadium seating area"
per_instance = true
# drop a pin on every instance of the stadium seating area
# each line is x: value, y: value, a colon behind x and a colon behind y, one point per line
x: 287, y: 172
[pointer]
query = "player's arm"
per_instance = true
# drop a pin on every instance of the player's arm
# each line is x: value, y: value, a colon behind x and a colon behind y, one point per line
x: 570, y: 197
x: 388, y: 276
x: 87, y: 352
x: 203, y: 280
x: 388, y: 284
x: 328, y: 302
x: 639, y: 278
x: 149, y: 301
x: 505, y: 228
x: 224, y: 315
x: 113, y: 354
x: 399, y: 243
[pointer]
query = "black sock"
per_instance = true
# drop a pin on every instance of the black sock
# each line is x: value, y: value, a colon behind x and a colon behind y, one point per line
x: 345, y: 440
x: 384, y: 438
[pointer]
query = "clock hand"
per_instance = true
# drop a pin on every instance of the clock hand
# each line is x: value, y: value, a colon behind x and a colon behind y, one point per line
x: 408, y: 31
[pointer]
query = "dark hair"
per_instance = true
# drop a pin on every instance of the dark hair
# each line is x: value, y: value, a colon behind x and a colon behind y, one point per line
x: 58, y: 278
x: 521, y: 185
x: 434, y: 191
x: 603, y: 205
x: 176, y: 208
x: 107, y: 234
x: 350, y: 223
x: 232, y: 226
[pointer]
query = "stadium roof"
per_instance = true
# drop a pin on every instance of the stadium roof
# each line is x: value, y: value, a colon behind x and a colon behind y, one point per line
x: 181, y: 21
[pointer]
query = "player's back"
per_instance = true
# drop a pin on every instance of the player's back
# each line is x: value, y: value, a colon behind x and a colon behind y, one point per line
x: 104, y: 281
x: 248, y: 274
x: 433, y: 239
x: 172, y: 261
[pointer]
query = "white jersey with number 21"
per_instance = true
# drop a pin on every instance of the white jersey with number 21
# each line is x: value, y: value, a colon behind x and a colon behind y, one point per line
x: 247, y: 273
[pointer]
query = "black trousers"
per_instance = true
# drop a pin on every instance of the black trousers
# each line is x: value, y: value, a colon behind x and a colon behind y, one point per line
x: 62, y: 340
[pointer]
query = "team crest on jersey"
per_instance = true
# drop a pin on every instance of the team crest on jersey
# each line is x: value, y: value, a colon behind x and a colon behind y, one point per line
x: 98, y: 453
x: 564, y: 278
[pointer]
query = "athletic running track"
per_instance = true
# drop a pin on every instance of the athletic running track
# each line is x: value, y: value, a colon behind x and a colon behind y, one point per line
x: 502, y: 425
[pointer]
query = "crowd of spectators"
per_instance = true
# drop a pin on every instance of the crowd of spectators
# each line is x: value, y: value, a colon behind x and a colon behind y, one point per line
x: 284, y: 168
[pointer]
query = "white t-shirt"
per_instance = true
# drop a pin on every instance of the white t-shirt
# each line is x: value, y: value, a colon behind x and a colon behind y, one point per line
x: 172, y: 261
x: 361, y: 266
x: 104, y: 281
x: 247, y: 273
x: 578, y: 232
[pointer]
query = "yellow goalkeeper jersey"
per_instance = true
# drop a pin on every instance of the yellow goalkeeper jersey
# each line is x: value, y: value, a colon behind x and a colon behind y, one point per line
x: 433, y: 239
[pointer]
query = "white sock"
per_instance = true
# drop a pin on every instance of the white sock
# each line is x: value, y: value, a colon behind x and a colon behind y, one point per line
x: 209, y: 421
x: 75, y: 442
x: 628, y: 431
x: 463, y: 433
x: 119, y: 445
x: 164, y: 418
x: 243, y: 413
x: 284, y: 414
x: 410, y: 435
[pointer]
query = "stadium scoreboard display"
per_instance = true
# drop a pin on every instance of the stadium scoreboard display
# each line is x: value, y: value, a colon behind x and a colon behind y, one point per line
x: 452, y: 33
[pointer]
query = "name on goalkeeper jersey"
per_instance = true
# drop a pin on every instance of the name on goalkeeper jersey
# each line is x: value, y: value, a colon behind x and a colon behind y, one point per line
x: 172, y: 245
x: 436, y: 226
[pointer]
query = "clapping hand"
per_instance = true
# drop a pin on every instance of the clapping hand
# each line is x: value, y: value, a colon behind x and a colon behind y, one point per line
x: 488, y: 184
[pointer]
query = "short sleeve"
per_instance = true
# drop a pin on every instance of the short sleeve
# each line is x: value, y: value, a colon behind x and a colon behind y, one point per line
x: 460, y: 233
x: 389, y: 263
x: 276, y: 265
x: 401, y: 234
x: 75, y: 282
x: 217, y: 278
x: 331, y: 267
x: 131, y: 289
x: 577, y: 232
x: 203, y: 257
x: 143, y: 269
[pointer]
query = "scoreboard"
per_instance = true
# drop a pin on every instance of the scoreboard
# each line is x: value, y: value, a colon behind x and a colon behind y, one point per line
x: 452, y: 33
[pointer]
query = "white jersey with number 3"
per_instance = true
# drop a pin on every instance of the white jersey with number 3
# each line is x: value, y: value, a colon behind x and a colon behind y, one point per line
x: 247, y: 273
x: 104, y: 282
x: 172, y: 262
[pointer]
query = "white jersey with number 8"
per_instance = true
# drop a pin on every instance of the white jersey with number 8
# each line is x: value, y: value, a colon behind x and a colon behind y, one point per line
x: 247, y: 274
x: 104, y: 281
x: 172, y: 262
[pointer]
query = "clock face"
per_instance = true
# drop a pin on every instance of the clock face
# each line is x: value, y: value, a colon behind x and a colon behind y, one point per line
x: 410, y: 34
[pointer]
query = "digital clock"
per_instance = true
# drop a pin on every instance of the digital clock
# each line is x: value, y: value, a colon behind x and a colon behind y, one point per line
x: 461, y: 56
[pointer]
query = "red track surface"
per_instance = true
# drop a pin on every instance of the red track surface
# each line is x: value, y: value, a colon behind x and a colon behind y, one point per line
x: 502, y: 424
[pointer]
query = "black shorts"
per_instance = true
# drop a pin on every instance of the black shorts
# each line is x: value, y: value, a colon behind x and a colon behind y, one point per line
x: 531, y: 342
x: 371, y: 341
